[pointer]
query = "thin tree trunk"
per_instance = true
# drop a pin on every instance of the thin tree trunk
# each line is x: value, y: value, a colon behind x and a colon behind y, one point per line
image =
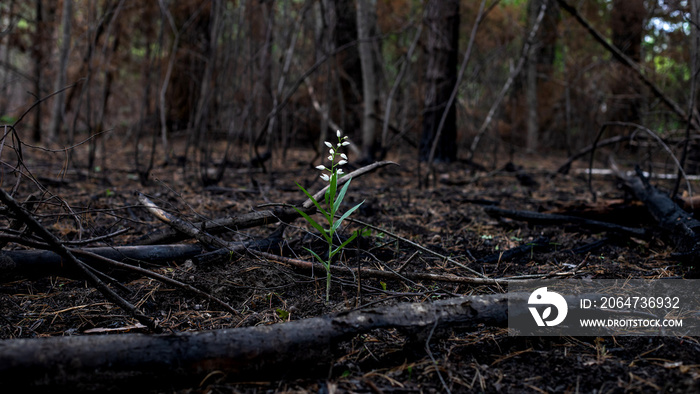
x: 59, y: 102
x: 168, y: 73
x: 5, y: 84
x: 516, y: 71
x: 366, y: 16
x: 397, y: 84
x: 532, y: 123
x: 38, y: 52
x: 202, y: 114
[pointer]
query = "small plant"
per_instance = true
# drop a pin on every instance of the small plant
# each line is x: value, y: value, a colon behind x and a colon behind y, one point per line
x: 333, y: 198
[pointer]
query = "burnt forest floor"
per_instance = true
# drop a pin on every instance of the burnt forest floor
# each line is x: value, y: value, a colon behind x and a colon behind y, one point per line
x: 448, y: 218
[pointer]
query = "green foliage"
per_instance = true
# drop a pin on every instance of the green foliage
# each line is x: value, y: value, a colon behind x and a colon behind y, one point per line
x: 282, y: 314
x: 6, y: 119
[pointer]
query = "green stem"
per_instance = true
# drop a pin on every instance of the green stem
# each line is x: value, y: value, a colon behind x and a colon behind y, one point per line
x: 328, y: 264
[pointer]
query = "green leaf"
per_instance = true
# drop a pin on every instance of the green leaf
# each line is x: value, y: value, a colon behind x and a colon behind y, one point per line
x: 284, y: 315
x: 331, y: 193
x: 323, y: 262
x: 318, y: 206
x: 349, y: 212
x: 341, y: 195
x: 314, y: 224
x: 344, y: 244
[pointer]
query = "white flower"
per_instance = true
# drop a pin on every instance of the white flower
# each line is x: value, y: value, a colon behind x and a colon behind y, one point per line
x: 345, y: 143
x: 344, y: 156
x: 331, y: 151
x: 325, y: 177
x: 321, y: 167
x: 330, y: 158
x: 339, y: 171
x: 328, y: 144
x: 338, y: 133
x: 340, y: 163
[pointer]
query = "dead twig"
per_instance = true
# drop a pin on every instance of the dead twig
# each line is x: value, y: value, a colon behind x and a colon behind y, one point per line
x: 415, y: 245
x: 365, y: 272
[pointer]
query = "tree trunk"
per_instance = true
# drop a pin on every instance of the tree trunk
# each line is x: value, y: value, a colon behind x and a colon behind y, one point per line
x: 627, y: 21
x: 539, y: 69
x: 442, y: 20
x: 348, y: 63
x: 366, y: 19
x: 59, y: 103
x: 38, y: 57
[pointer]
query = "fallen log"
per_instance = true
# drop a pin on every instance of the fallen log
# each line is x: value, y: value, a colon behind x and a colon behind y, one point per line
x: 139, y: 361
x: 550, y: 219
x: 679, y: 227
x: 32, y: 264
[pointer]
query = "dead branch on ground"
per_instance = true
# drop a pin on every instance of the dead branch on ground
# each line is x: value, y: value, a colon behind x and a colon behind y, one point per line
x: 290, y: 349
x: 678, y: 226
x: 553, y: 219
x: 255, y: 219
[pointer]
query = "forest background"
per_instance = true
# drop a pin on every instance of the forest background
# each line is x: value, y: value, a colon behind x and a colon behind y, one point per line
x: 268, y: 75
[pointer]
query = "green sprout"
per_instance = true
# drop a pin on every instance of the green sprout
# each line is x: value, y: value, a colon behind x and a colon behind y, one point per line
x: 333, y: 199
x: 282, y: 314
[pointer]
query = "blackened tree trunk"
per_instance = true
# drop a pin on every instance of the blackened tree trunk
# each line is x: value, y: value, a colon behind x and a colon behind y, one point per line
x: 540, y: 67
x: 627, y: 21
x: 38, y: 57
x: 348, y: 63
x: 366, y: 21
x: 59, y: 103
x: 442, y: 20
